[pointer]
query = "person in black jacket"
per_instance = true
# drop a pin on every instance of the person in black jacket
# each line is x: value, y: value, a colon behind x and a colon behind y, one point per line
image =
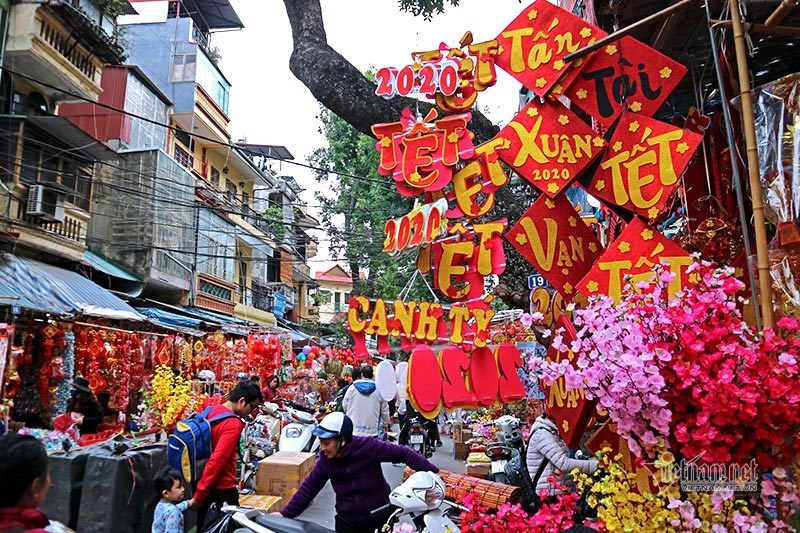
x: 85, y: 404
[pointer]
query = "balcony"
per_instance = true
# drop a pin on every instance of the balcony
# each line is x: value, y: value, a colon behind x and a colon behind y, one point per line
x: 61, y: 46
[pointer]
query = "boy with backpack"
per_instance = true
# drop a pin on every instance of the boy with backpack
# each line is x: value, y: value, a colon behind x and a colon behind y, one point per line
x: 219, y: 482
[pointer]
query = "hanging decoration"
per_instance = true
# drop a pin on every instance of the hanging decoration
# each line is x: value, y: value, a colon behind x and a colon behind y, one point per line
x: 643, y: 166
x: 68, y: 370
x: 554, y: 239
x: 626, y: 74
x: 549, y: 146
x: 533, y: 47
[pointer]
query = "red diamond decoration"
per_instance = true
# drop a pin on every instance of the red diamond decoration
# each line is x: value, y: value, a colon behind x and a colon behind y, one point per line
x: 548, y: 145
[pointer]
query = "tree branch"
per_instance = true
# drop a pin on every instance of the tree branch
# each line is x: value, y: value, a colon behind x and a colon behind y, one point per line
x: 339, y: 86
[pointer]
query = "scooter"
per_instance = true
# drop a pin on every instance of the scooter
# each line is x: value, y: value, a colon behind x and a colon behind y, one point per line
x: 297, y: 435
x: 418, y: 439
x: 261, y: 435
x: 501, y: 452
x: 247, y: 520
x: 420, y: 498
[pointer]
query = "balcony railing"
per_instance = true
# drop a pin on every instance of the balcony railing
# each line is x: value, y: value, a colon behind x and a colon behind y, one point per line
x: 71, y: 228
x: 66, y: 47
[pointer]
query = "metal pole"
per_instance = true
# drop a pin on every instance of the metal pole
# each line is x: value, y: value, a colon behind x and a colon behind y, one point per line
x: 629, y: 29
x: 737, y: 181
x: 748, y: 120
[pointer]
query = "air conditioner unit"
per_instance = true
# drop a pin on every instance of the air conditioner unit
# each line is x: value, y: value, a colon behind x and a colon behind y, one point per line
x: 45, y: 203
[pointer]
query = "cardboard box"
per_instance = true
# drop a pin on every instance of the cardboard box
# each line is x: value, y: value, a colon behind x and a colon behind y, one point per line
x: 480, y: 470
x: 282, y: 473
x: 458, y: 431
x: 268, y: 504
x: 460, y: 451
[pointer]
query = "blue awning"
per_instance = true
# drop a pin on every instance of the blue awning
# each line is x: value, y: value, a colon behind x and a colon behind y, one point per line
x: 170, y: 319
x: 228, y: 324
x: 109, y: 267
x: 59, y: 291
x: 10, y: 298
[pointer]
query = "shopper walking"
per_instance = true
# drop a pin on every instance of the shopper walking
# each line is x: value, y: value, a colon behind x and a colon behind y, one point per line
x: 365, y: 406
x: 353, y: 466
x: 219, y: 482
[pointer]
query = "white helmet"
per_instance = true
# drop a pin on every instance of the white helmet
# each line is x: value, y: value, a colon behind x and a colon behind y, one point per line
x: 207, y: 376
x: 334, y: 425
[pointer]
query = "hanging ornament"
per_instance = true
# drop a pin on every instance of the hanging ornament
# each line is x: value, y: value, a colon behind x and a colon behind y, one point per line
x: 68, y: 372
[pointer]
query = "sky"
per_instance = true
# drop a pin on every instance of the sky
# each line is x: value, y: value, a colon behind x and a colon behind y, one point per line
x: 268, y: 105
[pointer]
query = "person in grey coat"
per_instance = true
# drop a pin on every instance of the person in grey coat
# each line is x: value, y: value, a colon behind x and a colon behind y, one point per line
x: 545, y: 444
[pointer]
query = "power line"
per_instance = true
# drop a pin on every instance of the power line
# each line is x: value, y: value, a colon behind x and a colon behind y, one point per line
x: 195, y: 135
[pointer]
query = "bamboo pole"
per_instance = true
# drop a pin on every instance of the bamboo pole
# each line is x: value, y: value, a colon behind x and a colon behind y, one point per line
x: 764, y: 277
x: 789, y: 31
x: 737, y: 178
x: 780, y: 13
x: 577, y: 54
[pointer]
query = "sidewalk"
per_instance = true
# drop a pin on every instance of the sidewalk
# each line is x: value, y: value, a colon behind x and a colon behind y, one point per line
x: 321, y: 511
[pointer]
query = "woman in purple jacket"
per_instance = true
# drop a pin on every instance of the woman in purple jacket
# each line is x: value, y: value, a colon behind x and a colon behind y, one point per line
x: 353, y: 465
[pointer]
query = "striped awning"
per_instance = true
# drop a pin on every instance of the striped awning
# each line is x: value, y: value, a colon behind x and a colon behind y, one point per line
x: 59, y: 291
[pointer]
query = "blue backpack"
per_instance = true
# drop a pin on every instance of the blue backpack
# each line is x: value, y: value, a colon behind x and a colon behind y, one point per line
x: 191, y: 442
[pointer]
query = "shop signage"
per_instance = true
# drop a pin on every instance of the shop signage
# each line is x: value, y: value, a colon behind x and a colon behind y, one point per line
x: 549, y: 145
x: 626, y: 74
x: 422, y: 226
x: 456, y: 379
x: 634, y: 253
x: 570, y: 409
x: 532, y: 48
x: 278, y: 304
x: 643, y: 165
x: 422, y: 322
x: 536, y: 280
x: 553, y: 238
x: 421, y: 154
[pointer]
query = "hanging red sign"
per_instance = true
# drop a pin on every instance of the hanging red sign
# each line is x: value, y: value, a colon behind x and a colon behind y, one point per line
x: 569, y: 409
x: 627, y: 74
x: 423, y: 225
x: 634, y: 253
x: 533, y: 46
x: 554, y: 239
x: 549, y: 145
x: 459, y: 265
x: 420, y: 155
x: 643, y: 165
x: 456, y: 379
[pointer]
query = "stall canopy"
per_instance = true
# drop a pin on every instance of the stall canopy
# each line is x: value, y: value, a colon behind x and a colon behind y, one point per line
x: 58, y: 291
x: 228, y: 324
x: 168, y: 320
x: 109, y: 267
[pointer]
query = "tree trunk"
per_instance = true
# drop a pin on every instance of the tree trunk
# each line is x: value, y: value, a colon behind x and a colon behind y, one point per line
x: 339, y: 86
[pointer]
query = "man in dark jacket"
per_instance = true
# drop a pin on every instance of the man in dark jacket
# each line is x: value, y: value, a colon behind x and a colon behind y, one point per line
x: 353, y: 465
x: 83, y: 403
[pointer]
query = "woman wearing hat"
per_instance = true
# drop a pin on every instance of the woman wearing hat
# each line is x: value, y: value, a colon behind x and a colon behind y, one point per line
x: 84, y: 404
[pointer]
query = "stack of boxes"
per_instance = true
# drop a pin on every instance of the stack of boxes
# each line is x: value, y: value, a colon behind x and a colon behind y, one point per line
x: 461, y: 438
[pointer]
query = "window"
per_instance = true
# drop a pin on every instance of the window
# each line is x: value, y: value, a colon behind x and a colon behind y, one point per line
x: 185, y: 139
x: 216, y: 246
x: 214, y: 177
x: 183, y: 158
x: 140, y: 100
x: 39, y: 166
x: 337, y: 302
x: 31, y: 154
x: 245, y: 204
x: 221, y: 95
x: 184, y: 67
x: 231, y: 191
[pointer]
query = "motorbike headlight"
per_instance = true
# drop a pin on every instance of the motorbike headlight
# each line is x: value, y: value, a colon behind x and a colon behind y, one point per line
x: 433, y: 496
x: 293, y: 433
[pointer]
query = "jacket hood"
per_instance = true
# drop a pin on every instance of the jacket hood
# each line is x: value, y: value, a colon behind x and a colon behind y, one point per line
x: 544, y: 423
x: 365, y: 386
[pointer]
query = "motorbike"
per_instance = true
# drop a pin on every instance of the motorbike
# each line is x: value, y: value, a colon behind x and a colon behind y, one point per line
x: 247, y: 520
x: 418, y: 438
x: 420, y: 498
x: 260, y: 438
x: 508, y: 461
x: 297, y: 435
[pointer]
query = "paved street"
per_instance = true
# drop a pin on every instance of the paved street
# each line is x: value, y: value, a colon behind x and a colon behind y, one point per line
x: 322, y: 510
